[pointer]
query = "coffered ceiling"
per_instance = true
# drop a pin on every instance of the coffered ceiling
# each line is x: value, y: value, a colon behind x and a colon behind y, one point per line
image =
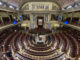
x: 62, y: 3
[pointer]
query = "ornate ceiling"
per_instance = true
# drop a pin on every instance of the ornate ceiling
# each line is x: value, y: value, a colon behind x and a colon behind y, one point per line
x: 62, y: 3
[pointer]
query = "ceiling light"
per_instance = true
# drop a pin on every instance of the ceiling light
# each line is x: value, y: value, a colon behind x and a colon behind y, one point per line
x: 76, y: 5
x: 11, y: 6
x: 63, y: 9
x: 0, y: 3
x: 79, y: 3
x: 17, y: 8
x: 69, y: 7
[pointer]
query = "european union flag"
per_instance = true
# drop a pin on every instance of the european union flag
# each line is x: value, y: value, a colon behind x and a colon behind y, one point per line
x: 14, y: 22
x: 66, y: 22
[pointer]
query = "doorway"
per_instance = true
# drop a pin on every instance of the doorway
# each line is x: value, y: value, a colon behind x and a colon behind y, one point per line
x: 40, y: 21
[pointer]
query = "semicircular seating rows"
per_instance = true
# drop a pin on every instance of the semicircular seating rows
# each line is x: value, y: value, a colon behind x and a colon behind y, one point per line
x: 60, y: 46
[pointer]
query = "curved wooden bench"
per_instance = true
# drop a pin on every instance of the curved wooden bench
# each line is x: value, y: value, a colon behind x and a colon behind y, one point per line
x: 58, y: 41
x: 40, y: 53
x: 14, y: 41
x: 61, y: 41
x: 39, y: 48
x: 21, y: 38
x: 74, y: 47
x: 7, y: 42
x: 23, y: 57
x: 66, y: 42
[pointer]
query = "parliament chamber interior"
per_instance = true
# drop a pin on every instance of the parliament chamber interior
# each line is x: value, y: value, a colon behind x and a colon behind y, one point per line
x: 39, y: 29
